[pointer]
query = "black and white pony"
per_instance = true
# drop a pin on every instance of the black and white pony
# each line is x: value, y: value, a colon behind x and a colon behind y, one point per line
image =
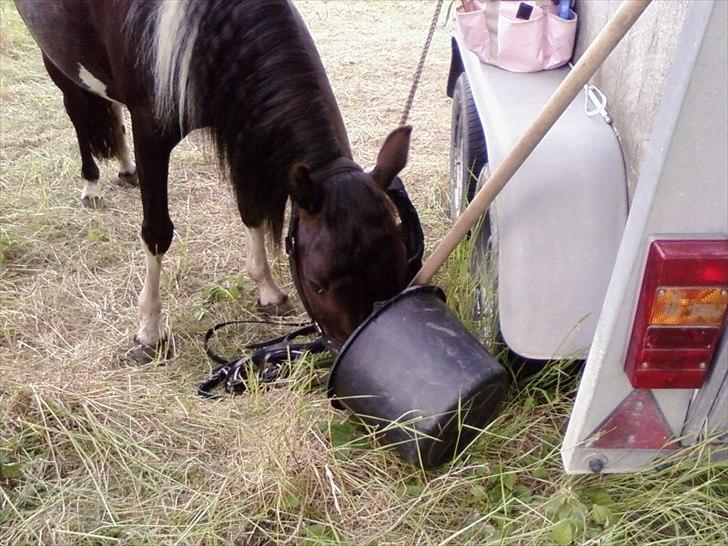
x: 248, y: 72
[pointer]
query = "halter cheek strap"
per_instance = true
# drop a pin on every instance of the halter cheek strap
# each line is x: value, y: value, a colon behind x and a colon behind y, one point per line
x: 291, y: 249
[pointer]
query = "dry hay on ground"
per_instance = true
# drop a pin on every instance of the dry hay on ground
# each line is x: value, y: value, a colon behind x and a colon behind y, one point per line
x: 93, y: 451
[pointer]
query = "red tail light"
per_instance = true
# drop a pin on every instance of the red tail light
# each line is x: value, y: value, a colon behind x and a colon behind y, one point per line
x: 681, y: 313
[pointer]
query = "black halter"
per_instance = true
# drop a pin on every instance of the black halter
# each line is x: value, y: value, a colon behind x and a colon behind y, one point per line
x: 412, y: 234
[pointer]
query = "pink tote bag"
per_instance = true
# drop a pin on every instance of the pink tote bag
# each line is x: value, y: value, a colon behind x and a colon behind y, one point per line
x: 493, y: 31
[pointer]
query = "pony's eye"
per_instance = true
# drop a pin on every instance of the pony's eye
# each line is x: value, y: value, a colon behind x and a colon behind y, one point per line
x: 317, y: 287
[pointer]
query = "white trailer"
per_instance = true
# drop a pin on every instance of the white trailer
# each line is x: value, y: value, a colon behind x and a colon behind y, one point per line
x: 640, y: 290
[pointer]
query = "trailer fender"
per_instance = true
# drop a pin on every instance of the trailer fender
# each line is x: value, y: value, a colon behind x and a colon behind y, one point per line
x: 558, y: 223
x: 456, y: 67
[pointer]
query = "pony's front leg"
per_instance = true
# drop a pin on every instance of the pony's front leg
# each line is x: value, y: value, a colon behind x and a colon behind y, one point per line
x: 272, y: 300
x: 153, y: 149
x: 150, y: 334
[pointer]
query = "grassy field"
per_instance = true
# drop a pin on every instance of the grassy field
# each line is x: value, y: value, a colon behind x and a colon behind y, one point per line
x: 94, y: 451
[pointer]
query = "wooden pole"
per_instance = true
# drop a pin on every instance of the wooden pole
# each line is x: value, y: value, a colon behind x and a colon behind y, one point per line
x: 618, y: 25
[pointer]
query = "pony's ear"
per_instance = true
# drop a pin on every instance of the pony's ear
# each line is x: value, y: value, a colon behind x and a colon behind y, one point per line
x: 392, y: 157
x: 304, y: 189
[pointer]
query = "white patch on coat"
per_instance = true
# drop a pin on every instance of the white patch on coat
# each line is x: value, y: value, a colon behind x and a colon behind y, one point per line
x: 90, y: 189
x: 91, y: 82
x: 259, y: 270
x: 150, y: 301
x: 126, y: 165
x: 176, y: 33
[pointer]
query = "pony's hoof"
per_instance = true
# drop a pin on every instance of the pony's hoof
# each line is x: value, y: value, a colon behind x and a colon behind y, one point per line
x: 91, y: 202
x: 128, y: 179
x: 141, y: 354
x: 282, y: 309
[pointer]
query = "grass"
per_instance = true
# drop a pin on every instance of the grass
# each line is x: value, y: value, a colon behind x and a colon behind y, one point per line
x: 93, y: 451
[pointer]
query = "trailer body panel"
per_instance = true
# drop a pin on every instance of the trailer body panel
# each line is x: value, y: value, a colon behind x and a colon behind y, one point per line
x: 682, y: 194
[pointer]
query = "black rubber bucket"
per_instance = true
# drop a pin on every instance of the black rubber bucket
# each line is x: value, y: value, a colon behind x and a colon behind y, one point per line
x: 414, y: 371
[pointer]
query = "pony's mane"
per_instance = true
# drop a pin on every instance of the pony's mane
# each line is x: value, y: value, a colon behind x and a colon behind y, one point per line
x: 240, y: 69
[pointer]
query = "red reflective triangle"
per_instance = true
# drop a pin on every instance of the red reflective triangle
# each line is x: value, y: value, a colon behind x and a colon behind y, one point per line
x: 637, y: 423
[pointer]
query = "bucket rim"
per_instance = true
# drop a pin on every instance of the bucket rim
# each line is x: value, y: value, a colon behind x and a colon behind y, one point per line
x: 378, y: 311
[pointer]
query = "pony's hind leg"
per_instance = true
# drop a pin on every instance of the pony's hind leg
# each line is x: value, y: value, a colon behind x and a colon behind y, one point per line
x: 127, y: 169
x: 97, y: 128
x: 272, y: 300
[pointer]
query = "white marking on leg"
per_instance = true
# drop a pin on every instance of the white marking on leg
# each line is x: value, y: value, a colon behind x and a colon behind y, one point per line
x: 92, y: 83
x: 259, y: 270
x: 150, y: 301
x: 126, y: 164
x: 90, y: 189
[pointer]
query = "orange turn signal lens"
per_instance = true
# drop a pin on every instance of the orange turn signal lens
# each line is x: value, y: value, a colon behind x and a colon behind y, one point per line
x: 680, y: 306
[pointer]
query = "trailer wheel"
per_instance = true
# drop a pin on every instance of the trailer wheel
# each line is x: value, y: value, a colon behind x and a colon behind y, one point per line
x: 467, y: 147
x: 483, y: 268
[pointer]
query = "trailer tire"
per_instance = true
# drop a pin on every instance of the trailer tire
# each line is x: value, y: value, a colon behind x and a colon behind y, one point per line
x: 468, y: 151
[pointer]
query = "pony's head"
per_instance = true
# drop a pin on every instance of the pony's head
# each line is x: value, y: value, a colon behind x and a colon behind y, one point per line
x: 350, y: 251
